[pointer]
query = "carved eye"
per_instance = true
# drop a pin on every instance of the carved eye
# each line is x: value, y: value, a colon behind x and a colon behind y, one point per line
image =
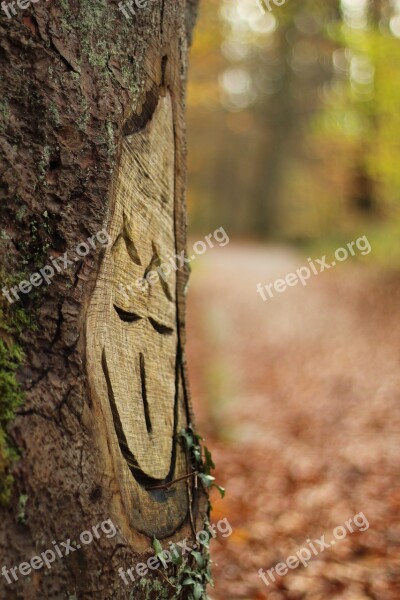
x: 125, y: 316
x: 163, y: 329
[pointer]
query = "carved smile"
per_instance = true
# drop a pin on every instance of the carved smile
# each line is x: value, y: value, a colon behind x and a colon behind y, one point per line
x: 142, y: 478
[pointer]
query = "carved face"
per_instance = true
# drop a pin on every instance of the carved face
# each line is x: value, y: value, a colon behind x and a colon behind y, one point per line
x: 132, y: 334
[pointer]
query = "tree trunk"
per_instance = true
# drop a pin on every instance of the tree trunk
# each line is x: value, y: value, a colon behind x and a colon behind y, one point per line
x: 93, y: 380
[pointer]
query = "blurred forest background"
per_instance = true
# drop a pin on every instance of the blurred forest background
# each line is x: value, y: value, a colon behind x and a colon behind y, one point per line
x: 294, y: 121
x: 294, y: 148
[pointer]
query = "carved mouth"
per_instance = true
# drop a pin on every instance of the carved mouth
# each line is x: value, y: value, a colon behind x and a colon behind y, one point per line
x: 142, y: 478
x: 144, y: 394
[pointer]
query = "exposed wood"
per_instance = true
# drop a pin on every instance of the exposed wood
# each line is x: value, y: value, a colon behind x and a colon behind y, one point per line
x: 132, y: 341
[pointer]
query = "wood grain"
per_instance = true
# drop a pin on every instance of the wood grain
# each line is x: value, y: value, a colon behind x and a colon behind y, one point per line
x: 132, y: 333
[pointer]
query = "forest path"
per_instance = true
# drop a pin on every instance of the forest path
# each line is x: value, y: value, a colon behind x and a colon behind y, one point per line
x: 299, y: 397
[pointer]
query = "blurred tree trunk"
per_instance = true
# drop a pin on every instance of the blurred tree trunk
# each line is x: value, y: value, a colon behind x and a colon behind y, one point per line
x: 285, y: 113
x: 92, y: 140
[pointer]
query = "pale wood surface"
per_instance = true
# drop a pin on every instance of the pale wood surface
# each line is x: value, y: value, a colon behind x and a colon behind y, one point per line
x: 132, y: 337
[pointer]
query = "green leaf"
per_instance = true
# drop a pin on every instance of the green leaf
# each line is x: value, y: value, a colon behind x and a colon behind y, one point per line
x: 199, y: 558
x: 188, y: 439
x: 220, y: 489
x: 197, y: 454
x: 176, y: 560
x: 208, y: 480
x: 209, y: 461
x: 208, y: 577
x: 198, y: 591
x: 157, y: 546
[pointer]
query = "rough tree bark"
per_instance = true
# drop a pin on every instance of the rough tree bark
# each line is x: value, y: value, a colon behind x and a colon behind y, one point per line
x: 93, y: 140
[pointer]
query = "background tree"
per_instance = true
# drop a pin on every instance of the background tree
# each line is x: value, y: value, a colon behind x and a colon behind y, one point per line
x: 303, y: 106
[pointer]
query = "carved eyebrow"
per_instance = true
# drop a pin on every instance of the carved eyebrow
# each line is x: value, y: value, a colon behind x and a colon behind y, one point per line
x: 129, y: 244
x: 154, y: 263
x: 132, y: 251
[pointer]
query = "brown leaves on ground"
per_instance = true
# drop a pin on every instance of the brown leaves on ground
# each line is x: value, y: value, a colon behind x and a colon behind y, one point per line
x: 298, y: 398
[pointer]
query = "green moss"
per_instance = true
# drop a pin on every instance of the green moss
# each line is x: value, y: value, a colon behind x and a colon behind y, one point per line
x: 150, y: 587
x: 23, y: 499
x: 35, y: 249
x: 54, y: 114
x: 4, y: 114
x: 98, y: 56
x: 19, y: 215
x: 85, y: 114
x: 13, y: 321
x: 66, y: 21
x: 93, y: 18
x: 44, y: 162
x: 11, y: 397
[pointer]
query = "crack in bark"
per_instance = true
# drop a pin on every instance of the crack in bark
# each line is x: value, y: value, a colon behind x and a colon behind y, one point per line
x: 162, y: 17
x: 35, y: 383
x: 64, y: 60
x: 64, y: 401
x: 60, y: 321
x: 33, y: 411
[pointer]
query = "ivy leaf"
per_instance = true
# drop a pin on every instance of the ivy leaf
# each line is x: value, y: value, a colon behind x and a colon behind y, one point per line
x: 220, y: 489
x: 176, y: 560
x: 208, y: 480
x: 209, y: 461
x: 199, y: 558
x: 182, y: 569
x: 209, y: 578
x: 198, y: 591
x: 197, y: 454
x: 187, y: 438
x: 157, y: 546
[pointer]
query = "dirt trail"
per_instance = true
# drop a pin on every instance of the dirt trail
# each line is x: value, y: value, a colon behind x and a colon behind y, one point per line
x: 299, y: 399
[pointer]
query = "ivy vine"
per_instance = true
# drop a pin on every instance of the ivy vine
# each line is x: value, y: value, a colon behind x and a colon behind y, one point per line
x: 192, y: 573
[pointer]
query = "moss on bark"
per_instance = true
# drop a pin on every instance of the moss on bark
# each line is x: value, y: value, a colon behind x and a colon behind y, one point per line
x: 12, y: 322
